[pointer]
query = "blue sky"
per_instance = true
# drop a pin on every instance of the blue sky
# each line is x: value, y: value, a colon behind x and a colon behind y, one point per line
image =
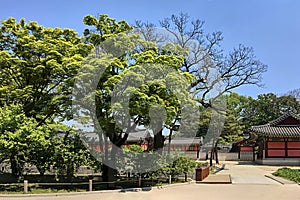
x: 271, y: 27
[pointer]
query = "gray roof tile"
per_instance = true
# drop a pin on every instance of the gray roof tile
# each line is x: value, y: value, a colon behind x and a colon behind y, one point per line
x: 273, y: 129
x: 281, y: 131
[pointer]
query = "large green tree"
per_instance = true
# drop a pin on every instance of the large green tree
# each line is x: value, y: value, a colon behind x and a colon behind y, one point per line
x: 135, y: 84
x: 37, y: 67
x: 37, y: 70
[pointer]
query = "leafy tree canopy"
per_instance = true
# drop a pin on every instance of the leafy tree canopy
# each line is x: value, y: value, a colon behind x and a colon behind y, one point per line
x: 37, y: 67
x: 268, y: 107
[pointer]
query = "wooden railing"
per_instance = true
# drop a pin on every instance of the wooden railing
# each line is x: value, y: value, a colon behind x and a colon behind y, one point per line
x: 89, y: 185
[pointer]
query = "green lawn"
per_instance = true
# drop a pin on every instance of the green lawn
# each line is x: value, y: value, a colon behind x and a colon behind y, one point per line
x: 290, y: 174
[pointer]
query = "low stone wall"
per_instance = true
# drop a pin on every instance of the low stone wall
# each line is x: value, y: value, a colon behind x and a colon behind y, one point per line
x: 234, y: 156
x: 191, y: 154
x: 279, y: 161
x: 246, y: 156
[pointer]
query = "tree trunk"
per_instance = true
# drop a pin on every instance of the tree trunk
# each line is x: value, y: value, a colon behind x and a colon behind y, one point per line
x: 109, y: 171
x: 14, y: 166
x: 158, y: 138
x: 158, y: 141
x: 70, y: 171
x: 216, y: 152
x: 109, y: 175
x: 211, y: 157
x: 170, y: 138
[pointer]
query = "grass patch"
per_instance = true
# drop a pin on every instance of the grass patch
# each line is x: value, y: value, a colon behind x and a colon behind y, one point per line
x: 288, y: 173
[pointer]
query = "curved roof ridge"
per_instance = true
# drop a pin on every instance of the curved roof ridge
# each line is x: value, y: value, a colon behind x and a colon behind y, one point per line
x: 283, y: 117
x: 273, y: 129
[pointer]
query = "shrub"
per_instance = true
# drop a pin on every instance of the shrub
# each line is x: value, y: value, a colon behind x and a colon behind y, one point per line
x: 291, y: 174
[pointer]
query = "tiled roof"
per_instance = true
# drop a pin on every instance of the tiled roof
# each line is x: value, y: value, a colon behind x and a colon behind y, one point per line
x: 283, y: 117
x: 279, y: 131
x: 137, y: 135
x: 274, y: 129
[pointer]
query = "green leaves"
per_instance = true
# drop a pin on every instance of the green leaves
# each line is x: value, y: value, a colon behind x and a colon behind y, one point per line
x: 105, y: 28
x: 288, y: 173
x: 233, y: 127
x: 21, y: 137
x: 38, y: 66
x: 268, y: 107
x: 134, y: 75
x: 23, y: 140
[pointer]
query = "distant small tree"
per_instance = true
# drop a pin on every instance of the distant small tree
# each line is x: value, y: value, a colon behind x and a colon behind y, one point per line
x: 184, y: 165
x: 295, y: 93
x: 130, y: 159
x: 69, y: 154
x: 233, y: 126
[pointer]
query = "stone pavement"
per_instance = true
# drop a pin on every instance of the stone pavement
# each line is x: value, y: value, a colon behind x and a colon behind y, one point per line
x: 216, y: 179
x: 247, y: 173
x: 188, y: 192
x: 244, y: 173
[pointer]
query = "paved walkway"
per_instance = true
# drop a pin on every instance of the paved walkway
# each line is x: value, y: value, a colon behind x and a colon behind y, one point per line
x: 248, y: 174
x: 245, y: 173
x: 190, y: 192
x: 249, y: 182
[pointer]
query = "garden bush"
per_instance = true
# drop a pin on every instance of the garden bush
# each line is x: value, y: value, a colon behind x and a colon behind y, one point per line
x: 288, y: 173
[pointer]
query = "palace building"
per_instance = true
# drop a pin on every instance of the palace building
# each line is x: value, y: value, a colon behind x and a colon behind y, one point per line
x: 278, y: 142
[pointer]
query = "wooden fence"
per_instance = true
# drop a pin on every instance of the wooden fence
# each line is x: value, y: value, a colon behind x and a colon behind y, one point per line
x: 26, y: 184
